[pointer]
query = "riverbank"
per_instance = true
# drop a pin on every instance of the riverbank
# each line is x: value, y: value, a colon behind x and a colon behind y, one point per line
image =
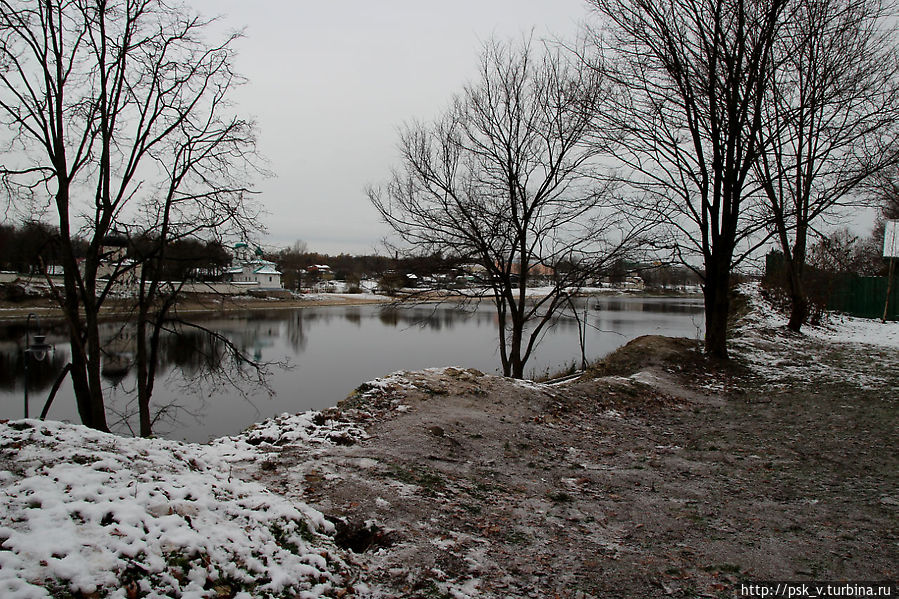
x: 114, y: 309
x: 659, y: 473
x: 210, y: 304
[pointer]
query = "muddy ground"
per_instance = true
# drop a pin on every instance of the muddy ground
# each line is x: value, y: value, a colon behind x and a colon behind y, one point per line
x: 659, y: 474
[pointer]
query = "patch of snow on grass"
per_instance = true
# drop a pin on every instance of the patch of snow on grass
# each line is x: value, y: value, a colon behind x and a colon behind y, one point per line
x: 837, y: 328
x: 91, y: 513
x: 848, y: 329
x: 309, y: 429
x: 466, y: 590
x: 527, y: 384
x: 395, y: 380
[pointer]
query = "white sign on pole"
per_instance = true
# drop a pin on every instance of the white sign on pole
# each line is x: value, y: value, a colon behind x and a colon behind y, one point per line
x: 891, y: 239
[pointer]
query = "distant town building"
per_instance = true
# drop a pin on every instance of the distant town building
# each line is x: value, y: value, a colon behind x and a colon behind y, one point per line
x: 248, y: 268
x: 634, y: 283
x: 534, y: 269
x: 322, y: 271
x: 115, y: 263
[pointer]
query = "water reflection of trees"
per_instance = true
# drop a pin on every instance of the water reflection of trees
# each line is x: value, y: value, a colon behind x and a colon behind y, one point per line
x: 296, y: 332
x: 660, y: 305
x: 201, y: 361
x: 434, y: 317
x: 353, y: 315
x: 195, y: 354
x: 194, y: 366
x: 191, y: 360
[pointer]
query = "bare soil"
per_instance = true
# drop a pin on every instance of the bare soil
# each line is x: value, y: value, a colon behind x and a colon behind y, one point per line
x: 658, y: 474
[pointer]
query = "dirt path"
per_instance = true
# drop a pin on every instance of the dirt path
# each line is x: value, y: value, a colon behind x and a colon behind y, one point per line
x: 682, y: 480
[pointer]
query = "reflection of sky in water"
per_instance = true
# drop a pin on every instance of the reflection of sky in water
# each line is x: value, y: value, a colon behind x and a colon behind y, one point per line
x: 330, y: 350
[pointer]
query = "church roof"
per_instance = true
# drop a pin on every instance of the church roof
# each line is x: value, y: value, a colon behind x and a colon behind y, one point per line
x: 266, y: 269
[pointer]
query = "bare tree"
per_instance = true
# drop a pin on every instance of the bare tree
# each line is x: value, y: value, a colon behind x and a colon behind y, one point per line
x: 506, y: 179
x: 203, y: 197
x: 692, y: 76
x: 100, y: 97
x: 830, y: 122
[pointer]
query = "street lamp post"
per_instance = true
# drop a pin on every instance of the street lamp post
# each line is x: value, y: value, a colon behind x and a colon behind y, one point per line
x: 37, y: 350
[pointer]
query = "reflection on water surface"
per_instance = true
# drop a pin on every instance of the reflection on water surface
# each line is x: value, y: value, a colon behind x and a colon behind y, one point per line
x: 330, y: 351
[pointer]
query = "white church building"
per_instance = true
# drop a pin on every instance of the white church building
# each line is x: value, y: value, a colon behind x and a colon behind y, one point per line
x: 248, y: 268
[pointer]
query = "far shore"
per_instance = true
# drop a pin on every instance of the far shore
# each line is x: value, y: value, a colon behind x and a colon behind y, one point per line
x: 47, y: 309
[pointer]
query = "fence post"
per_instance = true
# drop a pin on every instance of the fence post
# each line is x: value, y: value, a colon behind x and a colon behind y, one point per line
x: 886, y: 303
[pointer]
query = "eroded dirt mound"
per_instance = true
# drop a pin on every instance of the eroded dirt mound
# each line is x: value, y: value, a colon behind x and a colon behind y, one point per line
x: 649, y: 351
x: 607, y: 486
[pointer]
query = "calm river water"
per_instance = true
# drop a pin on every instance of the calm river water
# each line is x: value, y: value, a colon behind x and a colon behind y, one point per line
x: 329, y: 352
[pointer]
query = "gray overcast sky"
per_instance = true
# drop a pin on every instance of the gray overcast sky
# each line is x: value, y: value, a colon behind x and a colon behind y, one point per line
x: 330, y: 83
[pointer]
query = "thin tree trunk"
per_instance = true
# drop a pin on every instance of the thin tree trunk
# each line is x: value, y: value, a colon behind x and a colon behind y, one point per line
x: 80, y: 386
x: 95, y: 383
x: 143, y: 389
x: 54, y: 389
x: 886, y: 303
x: 517, y: 366
x: 71, y: 307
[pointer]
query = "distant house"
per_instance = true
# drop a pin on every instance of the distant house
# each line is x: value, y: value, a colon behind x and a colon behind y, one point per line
x: 634, y: 283
x: 321, y: 271
x: 534, y: 269
x: 115, y: 263
x: 248, y: 268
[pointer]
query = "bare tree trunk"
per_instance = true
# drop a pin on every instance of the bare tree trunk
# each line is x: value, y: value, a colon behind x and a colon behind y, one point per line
x: 80, y: 386
x: 515, y: 362
x: 85, y: 361
x: 717, y: 308
x: 56, y: 385
x: 799, y: 306
x: 501, y: 326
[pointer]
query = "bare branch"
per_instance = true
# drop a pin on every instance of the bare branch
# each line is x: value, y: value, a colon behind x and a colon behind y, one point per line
x: 510, y: 178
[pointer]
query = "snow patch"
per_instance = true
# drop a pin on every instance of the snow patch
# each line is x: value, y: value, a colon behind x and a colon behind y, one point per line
x: 310, y: 429
x: 90, y: 512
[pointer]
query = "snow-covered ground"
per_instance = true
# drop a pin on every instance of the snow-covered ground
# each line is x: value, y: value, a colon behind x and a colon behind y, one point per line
x: 837, y: 328
x: 83, y: 511
x: 346, y: 296
x: 763, y: 341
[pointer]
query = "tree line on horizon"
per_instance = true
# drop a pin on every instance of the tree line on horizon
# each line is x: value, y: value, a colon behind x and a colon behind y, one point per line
x: 34, y: 248
x: 31, y: 249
